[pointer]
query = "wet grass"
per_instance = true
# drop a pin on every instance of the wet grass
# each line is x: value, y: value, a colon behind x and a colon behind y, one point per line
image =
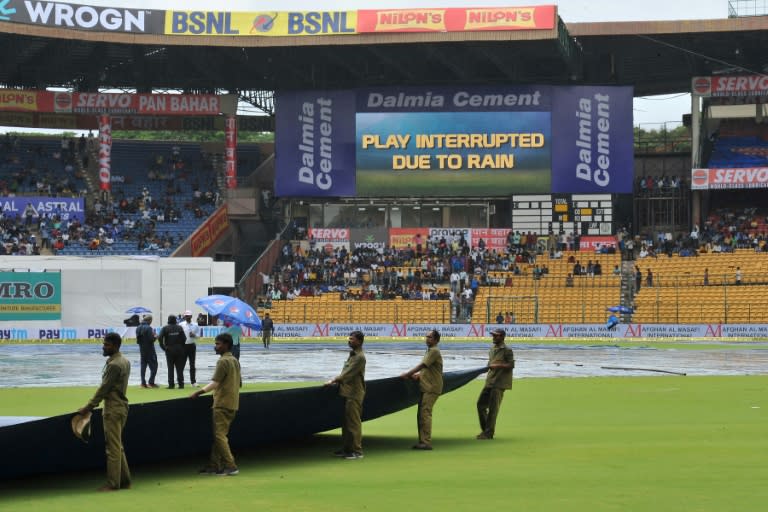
x: 596, y: 444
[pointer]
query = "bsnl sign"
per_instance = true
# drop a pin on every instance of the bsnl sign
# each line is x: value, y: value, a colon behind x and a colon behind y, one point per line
x: 225, y: 23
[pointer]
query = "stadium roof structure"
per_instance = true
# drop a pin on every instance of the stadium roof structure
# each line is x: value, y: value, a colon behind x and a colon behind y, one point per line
x: 656, y: 57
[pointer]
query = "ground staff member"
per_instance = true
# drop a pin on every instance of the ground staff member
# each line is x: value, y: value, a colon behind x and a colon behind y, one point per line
x: 351, y: 383
x: 429, y: 374
x: 225, y: 385
x: 501, y: 361
x: 172, y: 339
x: 114, y: 383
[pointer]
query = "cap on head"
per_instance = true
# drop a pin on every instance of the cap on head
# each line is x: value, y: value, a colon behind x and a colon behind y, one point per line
x: 502, y: 332
x: 147, y: 318
x: 187, y: 313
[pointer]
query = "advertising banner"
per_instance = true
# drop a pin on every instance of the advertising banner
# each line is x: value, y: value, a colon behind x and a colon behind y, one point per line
x: 67, y: 208
x: 330, y: 238
x: 84, y: 17
x: 738, y: 178
x: 110, y: 103
x: 592, y: 149
x: 593, y: 243
x: 724, y: 86
x: 376, y: 239
x: 629, y: 332
x: 495, y: 238
x: 30, y: 296
x: 456, y: 19
x: 105, y: 153
x: 269, y: 24
x: 209, y: 233
x: 451, y: 235
x: 479, y: 141
x: 230, y: 150
x: 132, y: 122
x: 314, y: 151
x: 17, y: 100
x: 401, y: 238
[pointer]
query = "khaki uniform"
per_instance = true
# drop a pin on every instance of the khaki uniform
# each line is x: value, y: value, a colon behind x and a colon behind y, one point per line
x: 496, y: 382
x: 226, y: 402
x: 352, y: 388
x: 431, y: 386
x: 114, y: 383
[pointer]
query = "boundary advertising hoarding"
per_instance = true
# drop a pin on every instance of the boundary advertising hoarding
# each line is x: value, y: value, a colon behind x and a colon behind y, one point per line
x: 67, y: 208
x: 209, y: 233
x: 131, y: 122
x: 736, y: 178
x: 110, y: 103
x: 30, y: 296
x: 725, y: 86
x: 275, y: 23
x: 473, y: 141
x: 514, y: 332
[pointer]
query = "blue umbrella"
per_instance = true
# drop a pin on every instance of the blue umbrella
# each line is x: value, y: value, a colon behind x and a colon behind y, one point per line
x: 230, y: 309
x: 137, y: 310
x: 621, y: 309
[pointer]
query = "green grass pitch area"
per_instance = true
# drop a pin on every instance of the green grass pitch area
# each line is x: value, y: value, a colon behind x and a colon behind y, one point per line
x: 386, y: 182
x: 584, y: 444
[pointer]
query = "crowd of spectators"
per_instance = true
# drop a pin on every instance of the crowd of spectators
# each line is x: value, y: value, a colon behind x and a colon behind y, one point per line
x: 427, y: 269
x: 659, y: 185
x: 725, y: 230
x: 39, y: 168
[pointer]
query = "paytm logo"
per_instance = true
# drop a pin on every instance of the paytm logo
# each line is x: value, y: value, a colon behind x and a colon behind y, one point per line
x: 6, y: 10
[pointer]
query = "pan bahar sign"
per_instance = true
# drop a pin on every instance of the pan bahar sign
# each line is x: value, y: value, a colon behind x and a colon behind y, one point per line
x: 470, y: 141
x: 30, y: 296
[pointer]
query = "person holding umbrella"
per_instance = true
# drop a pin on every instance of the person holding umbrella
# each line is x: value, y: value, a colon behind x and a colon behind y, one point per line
x: 235, y: 332
x: 234, y: 313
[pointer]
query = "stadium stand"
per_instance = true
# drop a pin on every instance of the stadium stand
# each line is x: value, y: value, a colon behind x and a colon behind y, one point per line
x: 704, y: 288
x: 161, y: 194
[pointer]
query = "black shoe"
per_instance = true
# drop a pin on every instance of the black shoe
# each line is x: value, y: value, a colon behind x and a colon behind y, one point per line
x: 227, y: 472
x: 171, y: 387
x: 181, y: 386
x: 353, y: 455
x: 422, y: 446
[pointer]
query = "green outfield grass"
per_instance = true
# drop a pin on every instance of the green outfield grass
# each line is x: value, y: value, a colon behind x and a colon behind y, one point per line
x: 589, y: 444
x: 386, y: 182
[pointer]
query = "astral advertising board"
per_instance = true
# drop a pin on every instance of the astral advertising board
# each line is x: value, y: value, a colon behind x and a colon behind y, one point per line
x: 67, y: 208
